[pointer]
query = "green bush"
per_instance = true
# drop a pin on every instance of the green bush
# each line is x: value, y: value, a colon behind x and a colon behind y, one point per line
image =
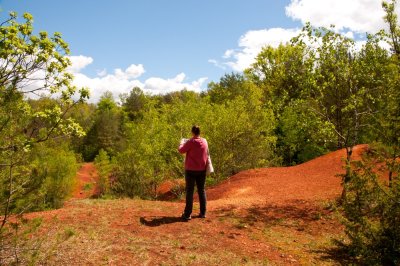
x: 104, y: 167
x: 372, y: 213
x: 147, y: 160
x: 53, y: 169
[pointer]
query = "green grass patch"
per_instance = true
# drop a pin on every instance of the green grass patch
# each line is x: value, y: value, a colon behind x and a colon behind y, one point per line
x: 88, y: 186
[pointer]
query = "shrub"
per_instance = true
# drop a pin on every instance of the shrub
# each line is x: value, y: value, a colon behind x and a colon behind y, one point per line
x: 54, y: 168
x: 372, y: 213
x: 104, y: 167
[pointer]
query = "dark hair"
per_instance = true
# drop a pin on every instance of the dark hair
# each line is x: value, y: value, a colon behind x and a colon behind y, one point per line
x: 196, y: 130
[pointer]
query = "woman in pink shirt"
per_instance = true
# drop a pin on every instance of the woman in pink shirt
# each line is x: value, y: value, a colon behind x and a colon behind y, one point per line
x: 196, y: 150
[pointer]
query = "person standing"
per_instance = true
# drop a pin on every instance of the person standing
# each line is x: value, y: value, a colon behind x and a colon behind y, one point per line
x: 196, y: 150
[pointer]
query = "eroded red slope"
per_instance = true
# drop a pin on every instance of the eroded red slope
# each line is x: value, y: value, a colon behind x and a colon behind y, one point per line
x: 315, y: 180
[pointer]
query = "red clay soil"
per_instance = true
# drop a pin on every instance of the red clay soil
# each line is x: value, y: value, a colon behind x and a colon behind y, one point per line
x: 269, y: 216
x: 86, y: 182
x: 169, y: 189
x: 312, y: 181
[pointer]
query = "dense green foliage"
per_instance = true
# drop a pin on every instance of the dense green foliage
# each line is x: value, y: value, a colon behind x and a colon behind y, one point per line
x: 372, y: 210
x: 304, y: 135
x: 105, y: 130
x: 53, y: 170
x: 35, y: 169
x: 150, y: 155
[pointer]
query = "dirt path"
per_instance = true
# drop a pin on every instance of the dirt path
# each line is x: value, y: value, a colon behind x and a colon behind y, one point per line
x: 86, y: 182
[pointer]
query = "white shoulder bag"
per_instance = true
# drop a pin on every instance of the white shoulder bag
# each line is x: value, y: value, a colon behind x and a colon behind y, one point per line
x: 209, y: 166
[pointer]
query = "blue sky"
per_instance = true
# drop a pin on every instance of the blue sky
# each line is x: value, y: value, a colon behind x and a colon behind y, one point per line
x: 172, y: 44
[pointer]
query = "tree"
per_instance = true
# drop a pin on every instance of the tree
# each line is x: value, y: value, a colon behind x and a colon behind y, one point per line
x: 371, y: 208
x: 30, y: 65
x: 145, y: 161
x: 84, y: 114
x: 389, y: 118
x: 228, y: 88
x: 106, y: 130
x: 134, y: 103
x: 246, y: 143
x: 104, y: 166
x: 284, y: 74
x: 303, y: 134
x: 338, y: 92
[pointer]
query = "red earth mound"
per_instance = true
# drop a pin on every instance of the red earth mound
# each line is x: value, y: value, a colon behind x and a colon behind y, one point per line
x: 312, y: 181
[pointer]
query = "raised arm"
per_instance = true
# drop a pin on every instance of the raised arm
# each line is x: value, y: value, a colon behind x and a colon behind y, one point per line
x: 184, y: 146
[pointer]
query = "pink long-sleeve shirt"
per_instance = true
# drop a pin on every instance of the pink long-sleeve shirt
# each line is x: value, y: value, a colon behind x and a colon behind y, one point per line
x: 196, y: 154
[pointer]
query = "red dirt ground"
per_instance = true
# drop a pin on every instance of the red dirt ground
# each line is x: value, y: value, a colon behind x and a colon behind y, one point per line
x: 86, y: 182
x: 270, y: 216
x: 312, y: 181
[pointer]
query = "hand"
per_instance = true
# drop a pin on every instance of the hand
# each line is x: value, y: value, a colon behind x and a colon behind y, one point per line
x: 183, y: 141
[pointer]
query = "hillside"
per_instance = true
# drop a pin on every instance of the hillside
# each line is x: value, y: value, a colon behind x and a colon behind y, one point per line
x: 315, y: 180
x: 271, y: 216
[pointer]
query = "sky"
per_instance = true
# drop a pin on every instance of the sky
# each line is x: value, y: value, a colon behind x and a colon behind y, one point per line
x: 163, y: 46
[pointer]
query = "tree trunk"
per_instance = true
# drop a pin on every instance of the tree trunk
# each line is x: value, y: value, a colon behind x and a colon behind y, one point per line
x: 7, y: 209
x: 391, y: 165
x: 347, y: 176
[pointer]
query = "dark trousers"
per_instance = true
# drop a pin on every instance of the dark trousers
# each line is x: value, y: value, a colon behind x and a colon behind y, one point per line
x: 198, y: 178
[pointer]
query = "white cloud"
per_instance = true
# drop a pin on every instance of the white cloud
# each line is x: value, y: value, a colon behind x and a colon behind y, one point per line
x: 228, y: 53
x: 250, y: 45
x: 79, y: 62
x: 159, y: 85
x: 356, y: 15
x: 353, y: 18
x: 99, y: 85
x: 122, y: 81
x: 102, y: 73
x: 133, y: 71
x: 217, y: 64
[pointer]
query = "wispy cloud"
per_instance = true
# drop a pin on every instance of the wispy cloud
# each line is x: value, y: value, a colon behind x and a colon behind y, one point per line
x: 250, y: 45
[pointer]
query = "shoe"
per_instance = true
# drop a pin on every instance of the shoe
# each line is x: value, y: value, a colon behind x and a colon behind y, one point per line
x: 202, y: 216
x: 186, y: 218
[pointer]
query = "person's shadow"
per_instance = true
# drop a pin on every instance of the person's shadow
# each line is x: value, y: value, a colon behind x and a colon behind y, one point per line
x: 160, y: 221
